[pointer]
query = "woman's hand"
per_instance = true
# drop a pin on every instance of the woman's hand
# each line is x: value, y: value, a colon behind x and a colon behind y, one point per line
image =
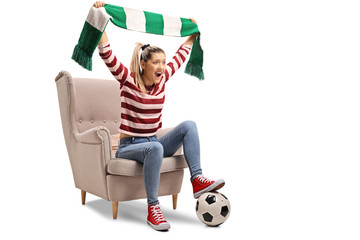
x: 99, y: 4
x: 189, y: 41
x: 193, y: 20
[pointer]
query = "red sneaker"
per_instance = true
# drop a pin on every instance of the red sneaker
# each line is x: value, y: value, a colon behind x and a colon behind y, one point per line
x: 202, y: 185
x: 156, y: 219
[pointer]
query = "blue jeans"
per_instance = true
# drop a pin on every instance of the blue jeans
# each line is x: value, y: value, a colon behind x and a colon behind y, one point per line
x: 150, y: 151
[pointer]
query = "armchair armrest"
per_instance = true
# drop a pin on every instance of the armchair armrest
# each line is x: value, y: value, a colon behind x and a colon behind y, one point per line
x: 93, y: 135
x: 90, y: 153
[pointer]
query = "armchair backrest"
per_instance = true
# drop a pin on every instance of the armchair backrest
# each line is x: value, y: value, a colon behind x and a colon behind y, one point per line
x: 96, y: 102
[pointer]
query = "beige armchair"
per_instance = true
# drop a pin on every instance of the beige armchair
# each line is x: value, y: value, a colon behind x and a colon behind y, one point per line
x: 90, y: 115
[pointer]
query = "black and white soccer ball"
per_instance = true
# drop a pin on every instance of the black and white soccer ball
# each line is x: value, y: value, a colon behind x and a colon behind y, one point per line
x: 213, y: 208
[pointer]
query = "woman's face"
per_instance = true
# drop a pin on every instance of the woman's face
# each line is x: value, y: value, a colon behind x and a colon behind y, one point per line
x: 154, y: 68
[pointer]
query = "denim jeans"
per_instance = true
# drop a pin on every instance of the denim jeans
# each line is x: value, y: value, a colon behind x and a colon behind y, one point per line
x: 150, y: 151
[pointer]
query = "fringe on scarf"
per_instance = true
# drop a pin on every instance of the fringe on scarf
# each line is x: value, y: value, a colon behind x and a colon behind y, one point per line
x: 82, y: 58
x: 194, y: 70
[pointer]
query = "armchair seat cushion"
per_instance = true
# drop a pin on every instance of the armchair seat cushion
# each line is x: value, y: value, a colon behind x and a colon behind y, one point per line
x: 125, y: 167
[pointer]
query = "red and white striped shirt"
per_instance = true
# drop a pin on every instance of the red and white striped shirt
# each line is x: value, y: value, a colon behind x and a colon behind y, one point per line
x: 141, y: 112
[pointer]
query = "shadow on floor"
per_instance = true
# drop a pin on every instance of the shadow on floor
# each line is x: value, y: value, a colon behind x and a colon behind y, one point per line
x: 136, y: 212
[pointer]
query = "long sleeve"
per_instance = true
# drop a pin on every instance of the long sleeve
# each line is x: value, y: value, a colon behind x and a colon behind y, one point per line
x: 176, y: 62
x: 120, y: 72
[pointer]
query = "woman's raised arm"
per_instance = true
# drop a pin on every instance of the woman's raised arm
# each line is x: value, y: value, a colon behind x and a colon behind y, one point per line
x: 104, y: 37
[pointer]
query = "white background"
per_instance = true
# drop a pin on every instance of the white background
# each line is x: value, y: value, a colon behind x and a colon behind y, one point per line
x: 278, y: 116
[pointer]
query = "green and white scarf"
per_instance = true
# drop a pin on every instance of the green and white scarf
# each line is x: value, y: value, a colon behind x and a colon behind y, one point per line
x: 136, y: 20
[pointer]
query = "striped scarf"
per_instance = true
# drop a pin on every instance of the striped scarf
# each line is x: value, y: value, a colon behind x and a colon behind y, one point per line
x: 136, y: 20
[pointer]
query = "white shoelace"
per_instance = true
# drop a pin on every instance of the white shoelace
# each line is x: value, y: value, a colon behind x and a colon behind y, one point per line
x: 157, y: 214
x: 203, y: 179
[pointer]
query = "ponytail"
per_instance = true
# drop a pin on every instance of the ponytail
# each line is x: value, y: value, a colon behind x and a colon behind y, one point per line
x: 135, y: 67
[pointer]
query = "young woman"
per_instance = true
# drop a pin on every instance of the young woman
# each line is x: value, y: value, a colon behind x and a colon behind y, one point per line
x: 142, y: 98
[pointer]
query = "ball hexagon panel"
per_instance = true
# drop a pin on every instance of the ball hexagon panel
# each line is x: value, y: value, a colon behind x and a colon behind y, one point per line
x: 210, y: 199
x: 207, y: 217
x: 224, y: 211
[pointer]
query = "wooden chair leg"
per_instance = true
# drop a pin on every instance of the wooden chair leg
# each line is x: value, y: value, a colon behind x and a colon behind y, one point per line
x: 83, y: 197
x: 115, y: 209
x: 174, y: 198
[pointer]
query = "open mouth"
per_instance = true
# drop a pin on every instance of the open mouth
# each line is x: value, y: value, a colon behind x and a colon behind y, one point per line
x: 158, y: 74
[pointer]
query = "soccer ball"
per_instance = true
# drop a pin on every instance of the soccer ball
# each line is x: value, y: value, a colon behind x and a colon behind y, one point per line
x: 213, y: 208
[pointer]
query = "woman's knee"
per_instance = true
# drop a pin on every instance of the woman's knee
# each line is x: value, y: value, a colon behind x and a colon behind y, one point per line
x: 189, y: 125
x: 155, y: 150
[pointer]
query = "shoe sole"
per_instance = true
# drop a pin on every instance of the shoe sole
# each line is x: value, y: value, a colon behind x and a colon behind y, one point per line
x: 215, y: 186
x: 161, y: 227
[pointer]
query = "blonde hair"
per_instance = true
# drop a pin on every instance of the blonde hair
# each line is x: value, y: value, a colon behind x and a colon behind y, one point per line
x: 138, y: 55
